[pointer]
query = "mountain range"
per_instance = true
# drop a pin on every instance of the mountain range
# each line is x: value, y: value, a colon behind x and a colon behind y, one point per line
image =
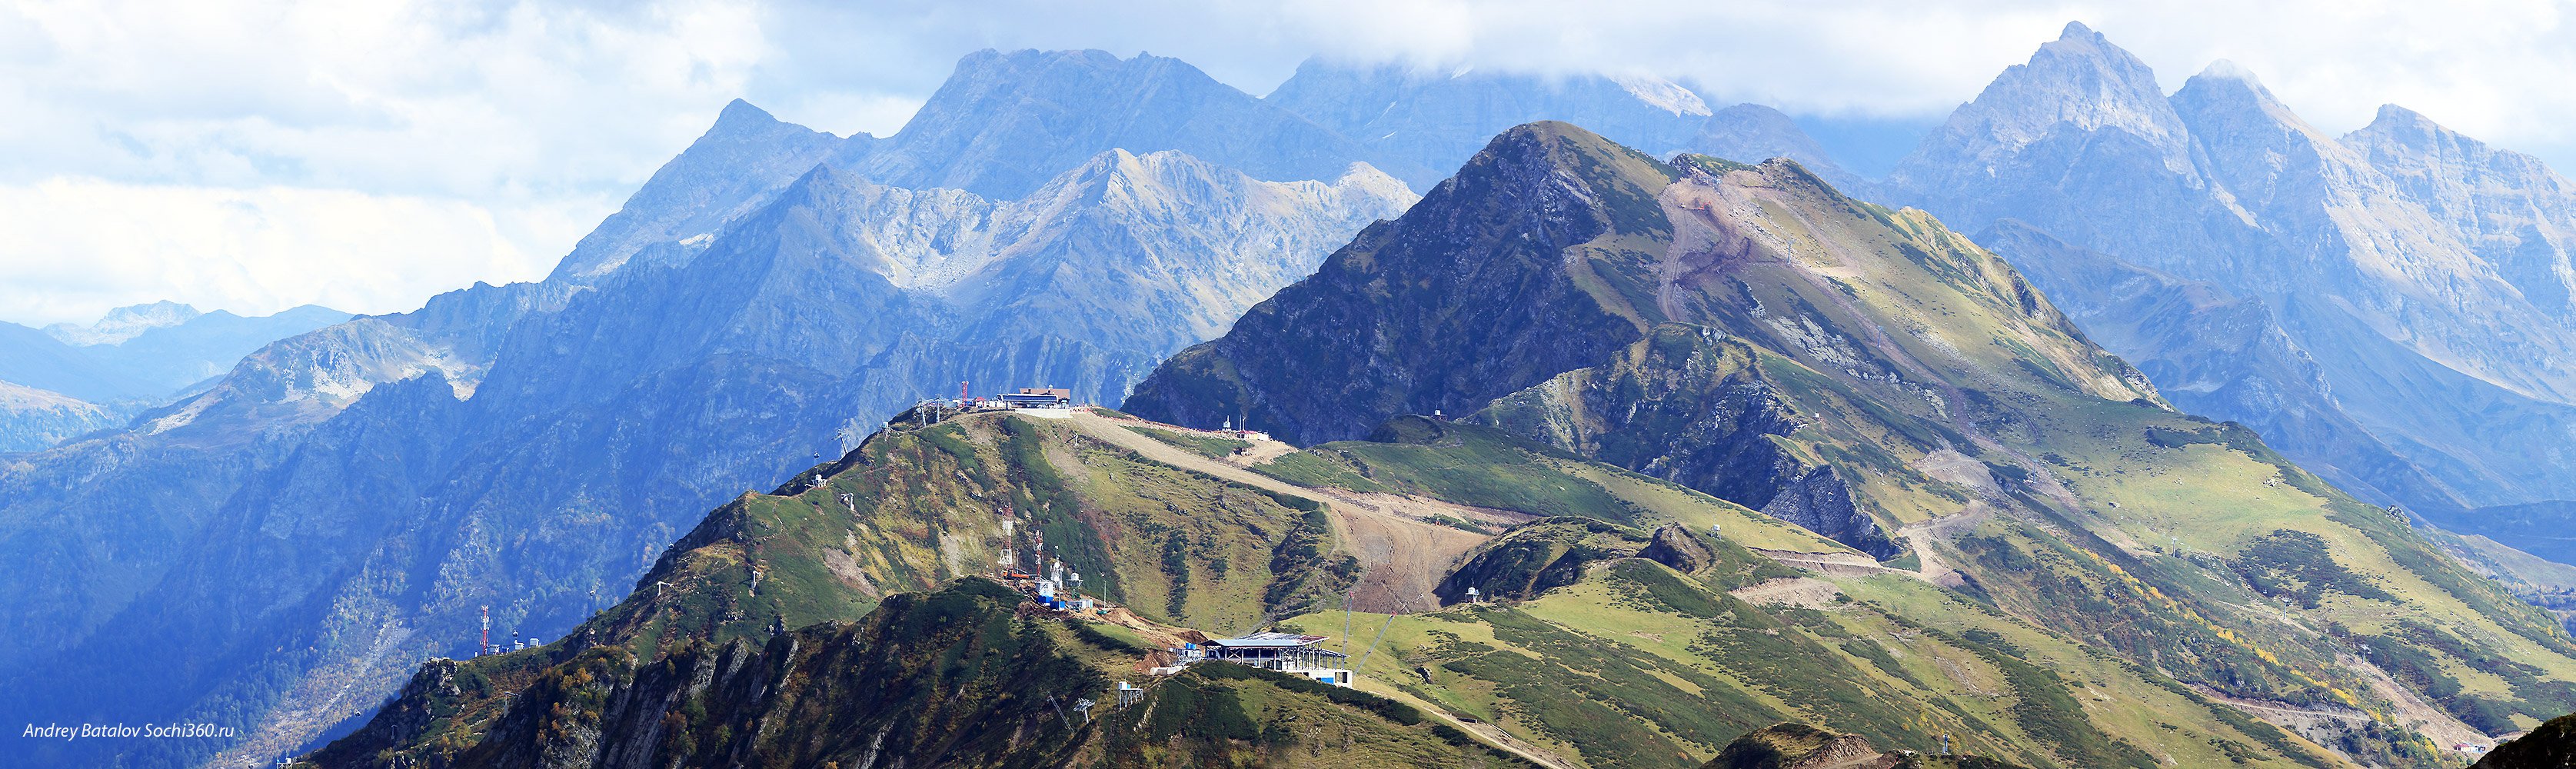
x: 2086, y: 576
x: 1748, y: 333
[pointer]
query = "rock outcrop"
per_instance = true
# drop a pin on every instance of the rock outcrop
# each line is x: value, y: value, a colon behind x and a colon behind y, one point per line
x: 1675, y: 547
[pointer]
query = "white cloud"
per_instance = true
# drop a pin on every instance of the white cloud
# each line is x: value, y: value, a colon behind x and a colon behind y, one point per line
x: 469, y: 140
x: 81, y: 246
x: 563, y: 106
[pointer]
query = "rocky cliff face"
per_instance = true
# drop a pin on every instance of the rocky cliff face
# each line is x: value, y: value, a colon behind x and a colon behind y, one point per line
x: 2513, y: 211
x: 2419, y: 270
x: 557, y: 466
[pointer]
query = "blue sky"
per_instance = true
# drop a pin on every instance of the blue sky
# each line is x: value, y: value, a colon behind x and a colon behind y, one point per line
x: 256, y: 156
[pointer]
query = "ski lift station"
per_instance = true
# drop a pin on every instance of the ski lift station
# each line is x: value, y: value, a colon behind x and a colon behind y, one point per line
x: 1038, y: 398
x: 1039, y: 401
x: 1298, y: 655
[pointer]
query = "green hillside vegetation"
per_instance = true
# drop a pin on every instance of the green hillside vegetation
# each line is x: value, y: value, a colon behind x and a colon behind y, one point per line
x: 951, y: 677
x: 1638, y: 665
x: 912, y: 509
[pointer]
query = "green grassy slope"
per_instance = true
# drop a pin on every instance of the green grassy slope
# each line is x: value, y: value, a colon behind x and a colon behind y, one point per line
x: 1638, y: 665
x: 914, y: 508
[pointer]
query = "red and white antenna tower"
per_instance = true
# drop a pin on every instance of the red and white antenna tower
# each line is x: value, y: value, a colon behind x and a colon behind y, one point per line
x: 486, y: 643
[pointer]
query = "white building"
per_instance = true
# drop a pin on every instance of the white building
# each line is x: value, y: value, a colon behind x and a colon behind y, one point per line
x: 1284, y: 652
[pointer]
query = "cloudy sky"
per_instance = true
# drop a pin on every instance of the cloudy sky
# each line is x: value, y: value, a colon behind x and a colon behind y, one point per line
x: 364, y: 155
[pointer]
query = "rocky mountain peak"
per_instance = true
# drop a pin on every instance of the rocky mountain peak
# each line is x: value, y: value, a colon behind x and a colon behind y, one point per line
x: 2263, y: 153
x: 124, y: 323
x: 1007, y: 122
x: 2079, y: 79
x: 1151, y: 175
x: 741, y: 160
x: 2509, y: 208
x: 2076, y: 86
x: 2396, y: 120
x: 2227, y: 85
x: 1662, y: 94
x: 739, y: 116
x: 2398, y: 137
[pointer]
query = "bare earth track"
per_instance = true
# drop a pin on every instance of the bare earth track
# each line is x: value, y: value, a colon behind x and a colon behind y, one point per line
x: 1402, y: 557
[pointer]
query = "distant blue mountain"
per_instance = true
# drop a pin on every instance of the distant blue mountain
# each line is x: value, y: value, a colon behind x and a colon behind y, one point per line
x: 146, y: 352
x: 67, y: 380
x: 31, y: 358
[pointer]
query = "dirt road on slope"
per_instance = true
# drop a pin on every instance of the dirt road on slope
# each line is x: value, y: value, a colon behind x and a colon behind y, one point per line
x: 1401, y: 556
